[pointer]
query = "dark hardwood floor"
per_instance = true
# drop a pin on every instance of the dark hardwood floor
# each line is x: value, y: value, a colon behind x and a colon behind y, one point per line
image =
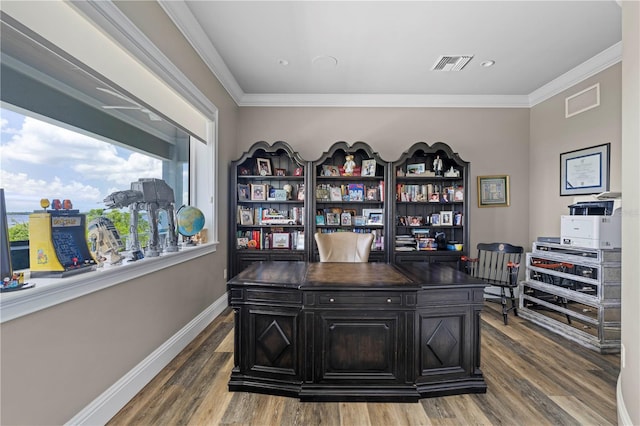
x: 534, y: 377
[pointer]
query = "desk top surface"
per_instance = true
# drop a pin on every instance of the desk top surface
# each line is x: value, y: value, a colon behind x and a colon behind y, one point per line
x: 316, y: 276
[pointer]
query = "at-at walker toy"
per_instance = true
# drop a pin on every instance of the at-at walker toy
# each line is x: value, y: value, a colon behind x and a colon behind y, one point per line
x: 152, y: 195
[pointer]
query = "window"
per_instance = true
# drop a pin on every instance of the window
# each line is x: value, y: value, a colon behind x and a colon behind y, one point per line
x: 104, y: 139
x: 44, y: 160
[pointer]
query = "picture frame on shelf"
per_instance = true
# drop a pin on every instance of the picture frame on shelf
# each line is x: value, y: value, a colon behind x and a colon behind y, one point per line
x: 457, y: 219
x: 435, y: 219
x: 263, y: 165
x: 258, y: 192
x: 359, y: 220
x: 320, y: 219
x: 345, y: 219
x: 242, y: 243
x: 493, y: 191
x: 244, y: 192
x: 415, y: 221
x: 368, y: 167
x: 446, y: 218
x: 298, y: 171
x: 333, y: 219
x: 372, y: 193
x: 246, y: 217
x: 458, y: 194
x: 280, y: 240
x: 330, y: 170
x: 416, y: 169
x: 375, y: 219
x: 335, y: 193
x: 244, y: 171
x: 300, y: 192
x: 281, y: 172
x: 585, y: 171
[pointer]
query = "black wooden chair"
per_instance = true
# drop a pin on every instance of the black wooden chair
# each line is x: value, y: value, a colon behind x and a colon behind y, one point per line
x: 498, y: 265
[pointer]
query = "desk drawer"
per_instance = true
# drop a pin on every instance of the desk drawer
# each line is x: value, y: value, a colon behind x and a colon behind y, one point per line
x: 339, y: 299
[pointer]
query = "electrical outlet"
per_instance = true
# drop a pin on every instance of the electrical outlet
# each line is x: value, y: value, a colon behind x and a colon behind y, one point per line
x: 224, y: 273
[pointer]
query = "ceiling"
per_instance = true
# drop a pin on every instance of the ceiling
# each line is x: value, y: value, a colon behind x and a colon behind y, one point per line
x: 383, y: 52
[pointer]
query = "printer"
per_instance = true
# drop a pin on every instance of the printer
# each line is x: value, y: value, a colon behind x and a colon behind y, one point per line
x: 594, y: 223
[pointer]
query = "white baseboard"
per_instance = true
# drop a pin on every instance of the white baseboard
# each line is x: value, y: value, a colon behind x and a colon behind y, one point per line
x: 623, y: 415
x: 104, y: 407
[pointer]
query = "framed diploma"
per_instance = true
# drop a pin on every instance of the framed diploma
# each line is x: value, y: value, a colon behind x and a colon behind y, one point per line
x: 585, y: 171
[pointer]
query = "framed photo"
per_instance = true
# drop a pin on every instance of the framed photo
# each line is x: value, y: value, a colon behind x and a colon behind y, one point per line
x: 300, y: 192
x: 457, y: 219
x: 416, y: 169
x: 415, y: 221
x: 246, y: 217
x: 345, y: 219
x: 493, y: 191
x: 281, y: 172
x: 243, y: 192
x: 320, y: 219
x: 333, y: 218
x: 585, y: 171
x: 373, y: 216
x: 297, y: 171
x: 446, y: 218
x: 244, y: 171
x: 329, y: 170
x: 435, y: 219
x: 264, y: 166
x: 280, y: 240
x: 458, y: 194
x: 368, y: 167
x: 372, y: 193
x: 335, y: 193
x: 258, y: 192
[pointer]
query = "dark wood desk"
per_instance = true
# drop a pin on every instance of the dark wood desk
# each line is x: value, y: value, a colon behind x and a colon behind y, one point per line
x: 356, y: 331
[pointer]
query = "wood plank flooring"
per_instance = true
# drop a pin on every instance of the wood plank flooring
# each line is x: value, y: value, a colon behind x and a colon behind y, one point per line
x: 534, y: 377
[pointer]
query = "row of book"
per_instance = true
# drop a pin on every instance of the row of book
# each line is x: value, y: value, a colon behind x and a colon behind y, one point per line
x: 350, y: 192
x: 378, y: 240
x: 270, y: 239
x: 429, y: 193
x: 265, y: 192
x: 269, y: 216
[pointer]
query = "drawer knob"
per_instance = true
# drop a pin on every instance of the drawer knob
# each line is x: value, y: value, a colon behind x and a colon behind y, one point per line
x: 388, y: 300
x: 332, y: 300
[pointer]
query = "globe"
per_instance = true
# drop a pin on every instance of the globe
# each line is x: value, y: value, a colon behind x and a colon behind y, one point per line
x: 189, y: 220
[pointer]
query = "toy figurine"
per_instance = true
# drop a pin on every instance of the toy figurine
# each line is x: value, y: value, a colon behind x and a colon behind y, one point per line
x: 437, y: 166
x: 349, y: 165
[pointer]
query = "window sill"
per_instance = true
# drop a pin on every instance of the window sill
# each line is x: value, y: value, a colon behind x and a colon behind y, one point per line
x: 49, y: 292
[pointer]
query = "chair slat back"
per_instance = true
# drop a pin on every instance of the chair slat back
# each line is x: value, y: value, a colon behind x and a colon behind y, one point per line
x: 494, y: 260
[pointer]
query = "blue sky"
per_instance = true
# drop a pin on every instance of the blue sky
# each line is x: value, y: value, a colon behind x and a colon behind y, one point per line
x: 40, y: 160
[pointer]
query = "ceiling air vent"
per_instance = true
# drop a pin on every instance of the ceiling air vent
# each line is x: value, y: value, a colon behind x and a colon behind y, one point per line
x: 451, y: 63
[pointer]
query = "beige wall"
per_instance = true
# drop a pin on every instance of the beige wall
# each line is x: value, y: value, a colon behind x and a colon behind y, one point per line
x: 494, y: 140
x: 553, y: 134
x: 630, y: 371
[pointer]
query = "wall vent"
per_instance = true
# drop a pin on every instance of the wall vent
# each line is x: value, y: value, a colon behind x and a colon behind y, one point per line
x: 582, y: 101
x: 451, y: 63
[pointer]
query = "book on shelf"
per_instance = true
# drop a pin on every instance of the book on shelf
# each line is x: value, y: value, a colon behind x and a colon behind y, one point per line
x: 335, y: 193
x: 356, y: 192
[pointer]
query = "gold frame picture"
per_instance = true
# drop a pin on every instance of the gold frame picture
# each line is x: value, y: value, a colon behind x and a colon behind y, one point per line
x: 493, y: 191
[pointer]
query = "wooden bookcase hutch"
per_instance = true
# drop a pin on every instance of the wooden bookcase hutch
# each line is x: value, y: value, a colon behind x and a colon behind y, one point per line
x: 278, y: 201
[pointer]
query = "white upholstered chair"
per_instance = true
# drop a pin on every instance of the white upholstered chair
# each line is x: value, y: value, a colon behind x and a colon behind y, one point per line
x: 344, y: 246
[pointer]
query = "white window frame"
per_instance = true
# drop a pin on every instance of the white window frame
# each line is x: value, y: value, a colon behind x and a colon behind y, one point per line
x: 203, y: 156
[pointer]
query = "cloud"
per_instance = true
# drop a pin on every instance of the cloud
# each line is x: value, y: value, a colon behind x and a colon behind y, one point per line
x: 24, y: 193
x: 82, y: 167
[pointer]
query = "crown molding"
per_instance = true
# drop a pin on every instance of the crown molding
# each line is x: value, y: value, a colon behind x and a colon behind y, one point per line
x: 384, y: 101
x: 600, y: 62
x: 187, y: 24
